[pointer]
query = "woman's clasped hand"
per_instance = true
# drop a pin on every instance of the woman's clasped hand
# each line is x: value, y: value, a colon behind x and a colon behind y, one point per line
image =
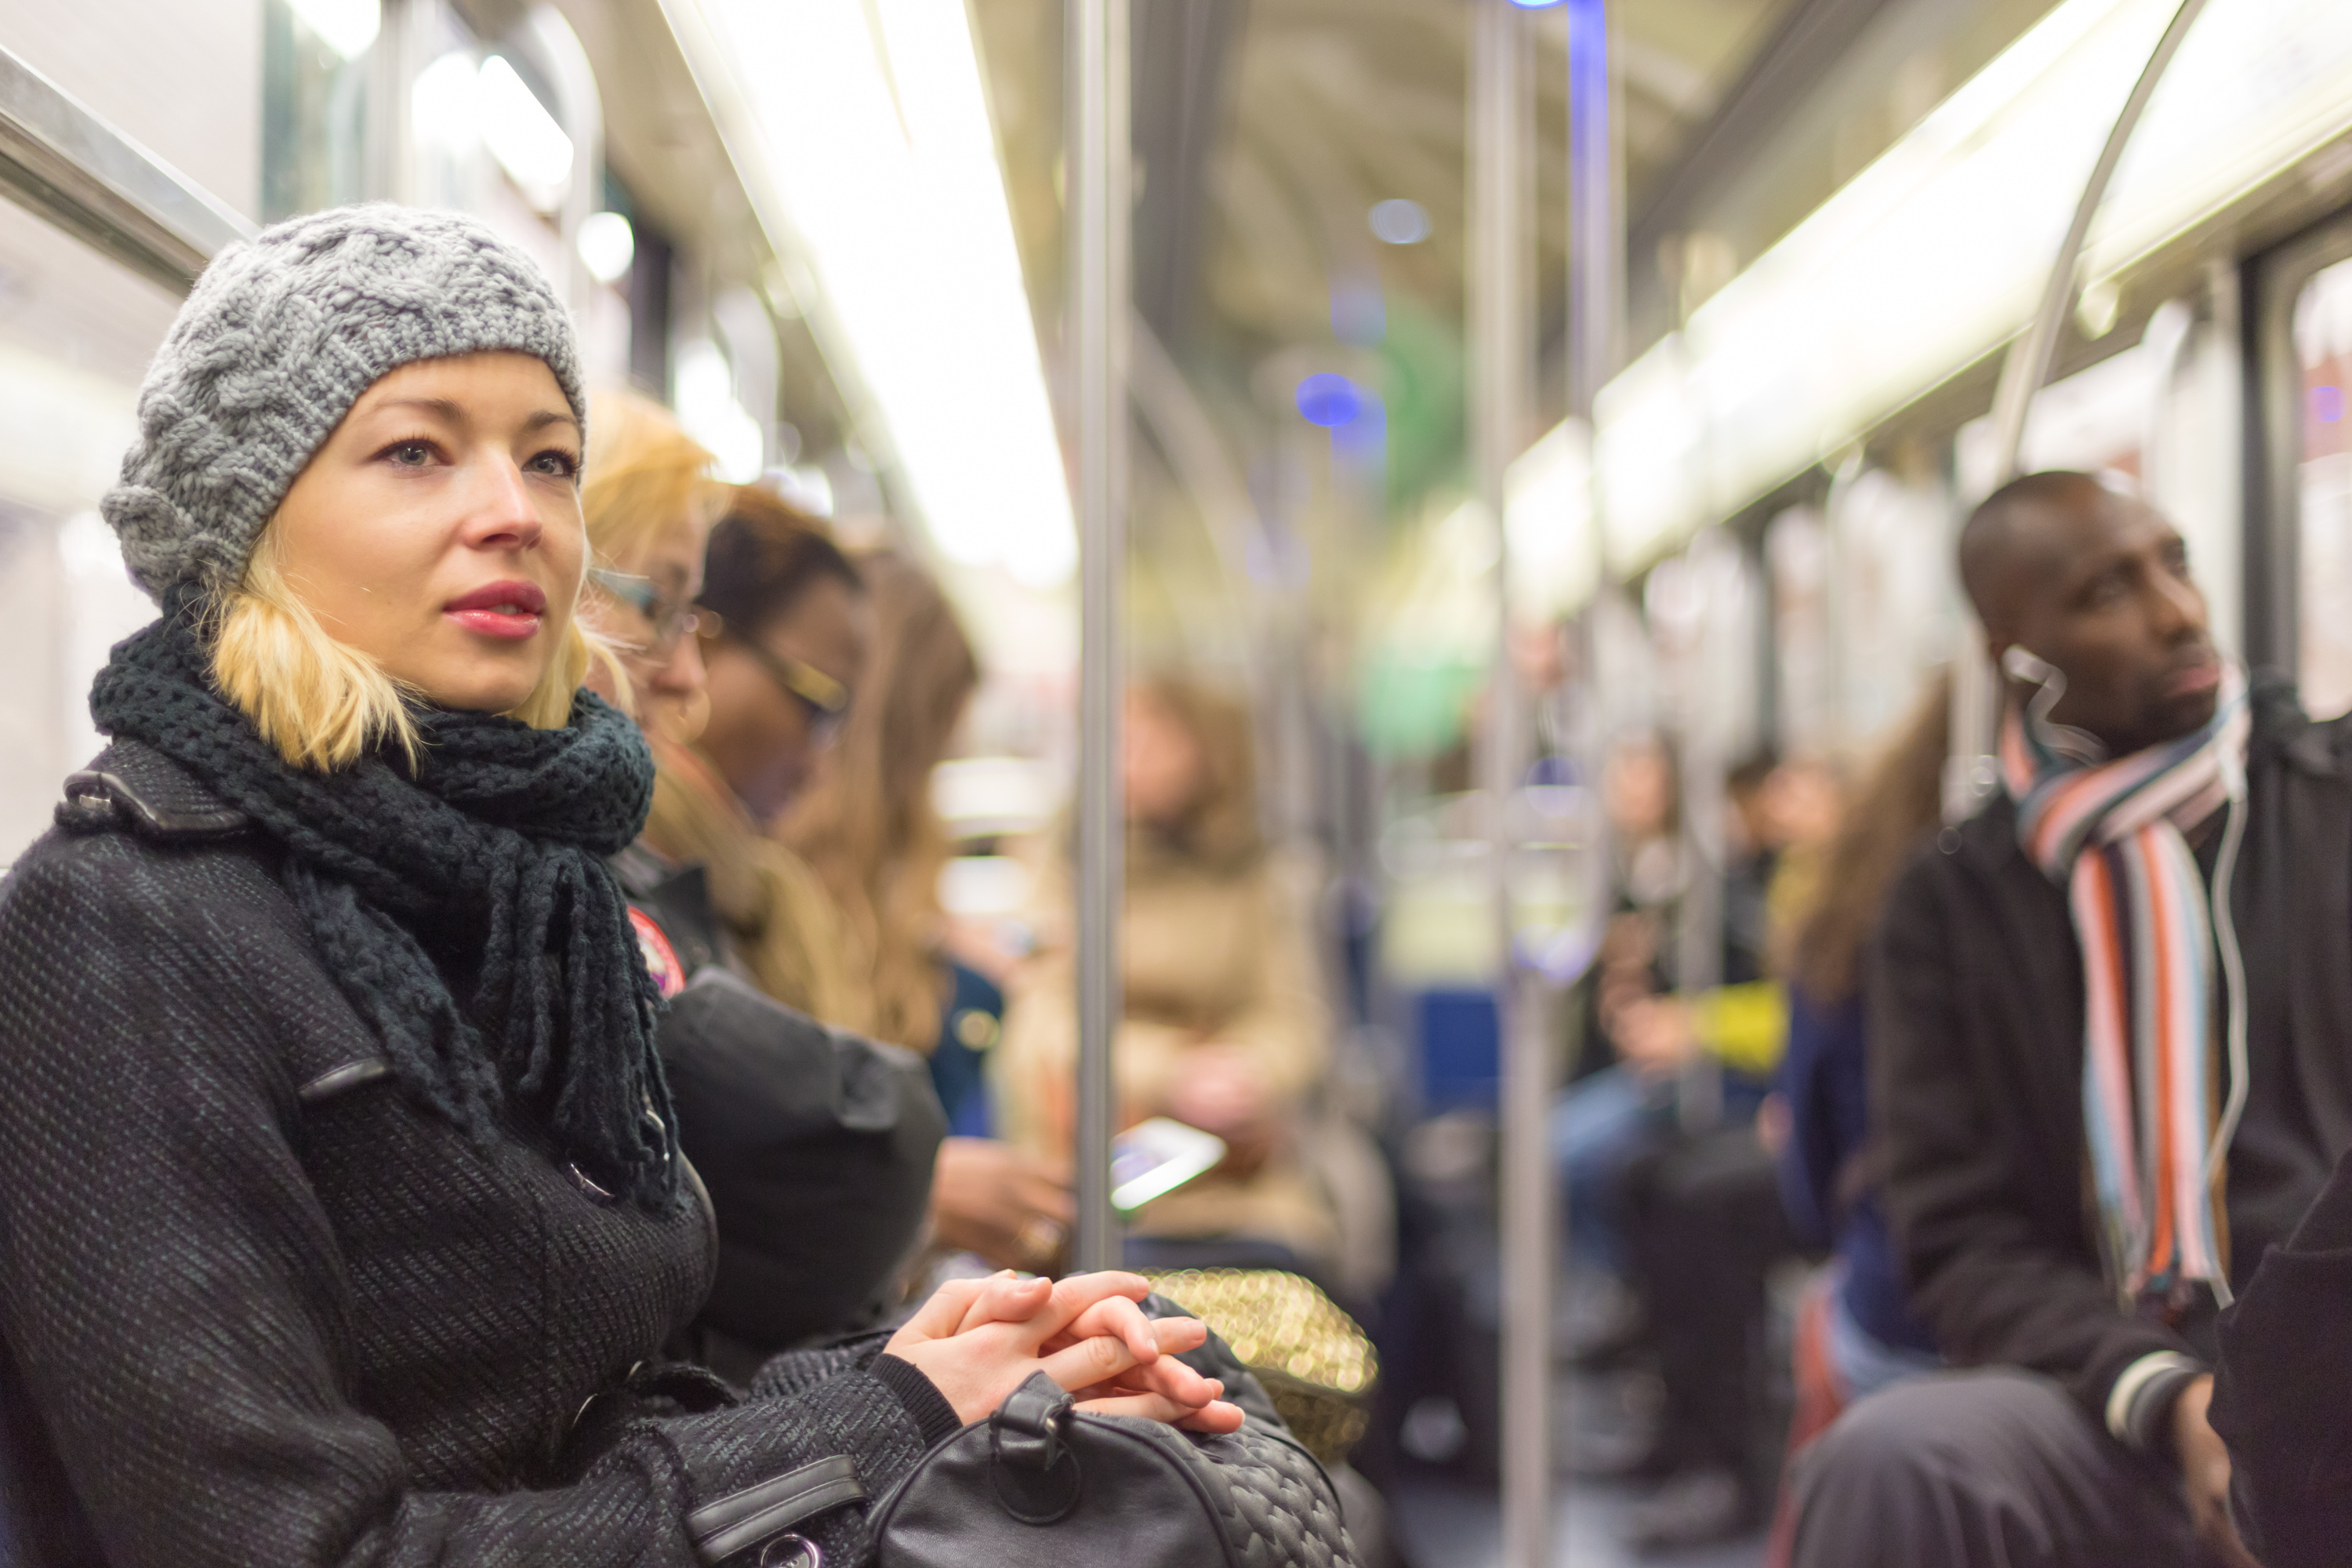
x: 979, y: 1339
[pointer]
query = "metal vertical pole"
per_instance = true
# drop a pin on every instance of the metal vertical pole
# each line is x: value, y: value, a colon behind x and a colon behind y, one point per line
x: 1501, y: 330
x: 1596, y: 316
x: 1096, y: 159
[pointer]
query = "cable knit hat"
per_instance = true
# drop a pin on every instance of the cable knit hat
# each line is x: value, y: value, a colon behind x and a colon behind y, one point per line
x: 279, y: 340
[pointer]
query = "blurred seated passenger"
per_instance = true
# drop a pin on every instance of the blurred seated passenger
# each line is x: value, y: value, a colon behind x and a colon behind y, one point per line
x: 1859, y: 1334
x: 1855, y: 1333
x: 1609, y: 1116
x: 2075, y: 1184
x: 1225, y: 1029
x: 868, y: 829
x: 1700, y: 1208
x: 820, y: 1218
x: 1628, y: 1115
x: 342, y: 1218
x: 786, y: 642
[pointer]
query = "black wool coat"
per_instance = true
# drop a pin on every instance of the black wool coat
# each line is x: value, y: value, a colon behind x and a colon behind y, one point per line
x: 256, y: 1307
x: 1975, y: 990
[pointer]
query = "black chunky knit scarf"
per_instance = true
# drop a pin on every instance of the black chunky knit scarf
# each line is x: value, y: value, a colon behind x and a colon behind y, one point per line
x: 485, y: 869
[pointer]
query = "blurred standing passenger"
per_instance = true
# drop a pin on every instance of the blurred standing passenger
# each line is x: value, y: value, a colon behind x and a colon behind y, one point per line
x: 2070, y: 1198
x: 1225, y: 1027
x: 868, y: 829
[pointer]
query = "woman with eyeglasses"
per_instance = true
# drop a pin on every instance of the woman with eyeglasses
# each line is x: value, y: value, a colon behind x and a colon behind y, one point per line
x: 818, y: 1221
x: 784, y: 629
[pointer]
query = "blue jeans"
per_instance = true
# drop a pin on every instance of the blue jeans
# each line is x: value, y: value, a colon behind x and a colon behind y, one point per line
x: 1597, y: 1129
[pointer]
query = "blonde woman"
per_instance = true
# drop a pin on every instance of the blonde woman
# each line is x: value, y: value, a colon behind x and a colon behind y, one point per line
x: 341, y: 1211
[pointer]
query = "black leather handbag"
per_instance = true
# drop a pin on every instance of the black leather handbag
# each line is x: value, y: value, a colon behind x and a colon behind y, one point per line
x: 1041, y: 1484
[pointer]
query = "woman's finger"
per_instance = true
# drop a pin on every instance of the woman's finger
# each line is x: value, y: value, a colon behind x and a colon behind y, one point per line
x: 1217, y: 1417
x: 1090, y: 1361
x: 1173, y: 1378
x: 1122, y: 1320
x: 943, y: 1313
x: 1074, y: 1295
x: 1004, y: 1296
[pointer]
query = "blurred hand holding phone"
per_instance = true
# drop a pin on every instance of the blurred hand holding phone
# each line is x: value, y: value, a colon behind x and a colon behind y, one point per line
x: 1153, y: 1158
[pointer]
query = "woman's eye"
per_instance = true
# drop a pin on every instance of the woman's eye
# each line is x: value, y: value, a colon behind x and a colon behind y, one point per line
x: 558, y: 464
x: 410, y: 454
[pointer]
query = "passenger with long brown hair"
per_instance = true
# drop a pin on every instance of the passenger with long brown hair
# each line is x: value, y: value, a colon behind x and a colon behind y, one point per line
x: 868, y: 828
x: 1858, y: 1333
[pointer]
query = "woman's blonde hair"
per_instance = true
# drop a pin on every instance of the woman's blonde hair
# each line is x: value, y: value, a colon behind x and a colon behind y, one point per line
x: 643, y: 474
x: 324, y: 704
x: 869, y: 830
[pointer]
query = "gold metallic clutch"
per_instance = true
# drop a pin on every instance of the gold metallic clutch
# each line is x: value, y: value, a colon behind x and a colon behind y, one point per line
x: 1316, y: 1366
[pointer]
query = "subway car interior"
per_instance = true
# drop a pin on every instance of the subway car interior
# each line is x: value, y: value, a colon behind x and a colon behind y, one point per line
x: 1611, y: 725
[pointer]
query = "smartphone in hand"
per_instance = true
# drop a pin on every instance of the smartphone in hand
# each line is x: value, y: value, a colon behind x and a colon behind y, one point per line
x: 1153, y: 1159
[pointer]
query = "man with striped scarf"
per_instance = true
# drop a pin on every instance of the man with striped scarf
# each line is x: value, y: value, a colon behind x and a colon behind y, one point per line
x: 2112, y: 1024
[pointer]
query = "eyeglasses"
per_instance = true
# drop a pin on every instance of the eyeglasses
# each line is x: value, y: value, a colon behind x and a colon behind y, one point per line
x: 827, y: 699
x: 671, y: 627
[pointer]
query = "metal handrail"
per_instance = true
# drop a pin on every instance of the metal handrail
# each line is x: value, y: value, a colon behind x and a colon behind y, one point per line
x: 63, y: 162
x: 1969, y: 774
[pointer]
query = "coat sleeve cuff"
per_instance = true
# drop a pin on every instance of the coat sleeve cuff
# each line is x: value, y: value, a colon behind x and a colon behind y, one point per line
x: 2142, y: 1397
x: 925, y: 1405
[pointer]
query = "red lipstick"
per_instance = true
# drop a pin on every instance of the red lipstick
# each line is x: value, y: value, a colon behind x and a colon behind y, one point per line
x: 509, y: 610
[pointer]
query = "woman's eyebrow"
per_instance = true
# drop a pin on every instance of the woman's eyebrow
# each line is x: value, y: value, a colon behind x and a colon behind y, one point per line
x: 547, y: 416
x: 441, y: 407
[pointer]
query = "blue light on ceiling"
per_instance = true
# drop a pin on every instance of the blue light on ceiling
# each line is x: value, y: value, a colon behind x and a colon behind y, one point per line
x: 1329, y: 399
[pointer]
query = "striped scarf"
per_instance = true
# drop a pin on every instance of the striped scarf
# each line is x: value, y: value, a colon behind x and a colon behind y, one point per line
x: 2112, y: 833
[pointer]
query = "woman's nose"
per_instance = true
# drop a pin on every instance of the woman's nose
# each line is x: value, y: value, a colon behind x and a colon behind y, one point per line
x: 503, y: 514
x: 681, y: 674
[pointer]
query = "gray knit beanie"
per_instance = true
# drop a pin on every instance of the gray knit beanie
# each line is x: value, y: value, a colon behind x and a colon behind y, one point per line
x: 279, y: 340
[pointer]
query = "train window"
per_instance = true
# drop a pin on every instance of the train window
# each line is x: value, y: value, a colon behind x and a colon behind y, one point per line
x: 2323, y: 343
x: 77, y: 330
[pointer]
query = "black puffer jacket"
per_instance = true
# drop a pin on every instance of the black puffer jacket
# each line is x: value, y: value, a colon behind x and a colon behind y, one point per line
x: 254, y: 1307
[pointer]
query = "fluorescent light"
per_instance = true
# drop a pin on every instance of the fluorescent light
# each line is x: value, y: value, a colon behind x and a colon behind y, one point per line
x: 523, y: 135
x: 1548, y: 526
x: 1935, y: 254
x: 871, y: 153
x: 346, y: 27
x: 608, y: 245
x: 444, y: 104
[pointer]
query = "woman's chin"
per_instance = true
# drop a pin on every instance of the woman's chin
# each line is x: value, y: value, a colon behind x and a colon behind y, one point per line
x: 478, y: 696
